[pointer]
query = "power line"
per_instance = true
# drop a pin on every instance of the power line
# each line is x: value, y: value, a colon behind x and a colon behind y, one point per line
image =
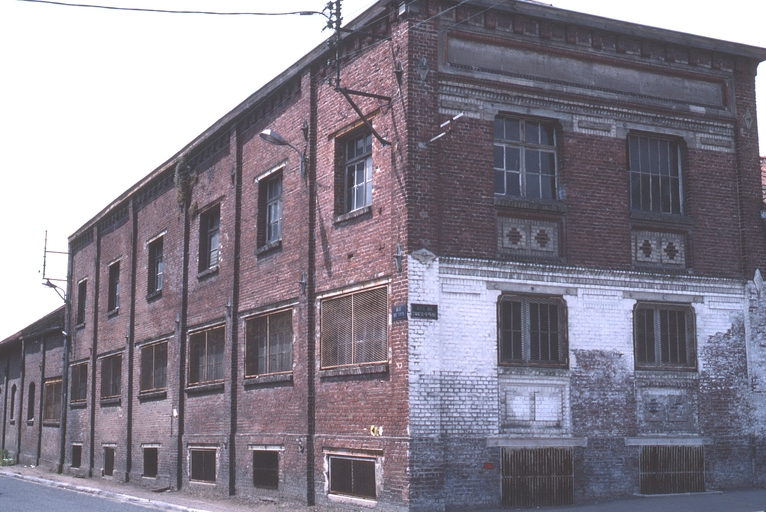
x: 167, y: 11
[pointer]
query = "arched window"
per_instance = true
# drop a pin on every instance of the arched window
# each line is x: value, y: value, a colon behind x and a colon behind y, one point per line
x: 13, y: 402
x: 31, y: 403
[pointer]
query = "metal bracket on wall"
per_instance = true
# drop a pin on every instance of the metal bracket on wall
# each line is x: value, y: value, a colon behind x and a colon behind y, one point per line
x: 347, y: 94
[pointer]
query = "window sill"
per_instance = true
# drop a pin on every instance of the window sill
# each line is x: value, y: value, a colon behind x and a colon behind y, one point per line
x: 545, y: 205
x: 82, y: 404
x: 656, y: 372
x: 661, y: 218
x: 269, y: 378
x: 111, y: 402
x: 30, y: 423
x: 345, y: 371
x: 146, y: 396
x: 205, y: 387
x: 12, y: 422
x: 51, y: 423
x: 79, y: 326
x: 355, y: 214
x: 204, y: 274
x: 113, y: 313
x: 268, y: 247
x: 527, y: 364
x: 150, y: 297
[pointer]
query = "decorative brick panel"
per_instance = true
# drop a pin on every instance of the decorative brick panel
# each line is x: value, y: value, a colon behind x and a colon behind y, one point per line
x: 666, y: 250
x: 531, y: 238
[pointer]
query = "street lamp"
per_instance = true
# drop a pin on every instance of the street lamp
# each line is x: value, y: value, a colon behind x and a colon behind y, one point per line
x: 273, y: 137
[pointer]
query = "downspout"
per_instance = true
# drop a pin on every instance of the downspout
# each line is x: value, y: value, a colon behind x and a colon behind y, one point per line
x: 181, y: 326
x: 65, y: 366
x: 5, y: 396
x: 311, y: 292
x: 43, y: 340
x: 94, y: 353
x: 130, y: 341
x: 20, y: 418
x: 233, y: 311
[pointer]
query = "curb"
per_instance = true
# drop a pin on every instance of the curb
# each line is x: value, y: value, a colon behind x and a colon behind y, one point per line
x: 126, y: 498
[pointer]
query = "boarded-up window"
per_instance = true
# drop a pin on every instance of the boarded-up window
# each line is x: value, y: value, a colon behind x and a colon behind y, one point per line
x: 206, y: 356
x: 111, y: 376
x: 108, y: 461
x: 266, y: 469
x: 537, y: 477
x: 203, y: 465
x: 354, y: 328
x: 151, y: 458
x: 353, y: 476
x: 79, y: 382
x: 269, y: 344
x: 76, y: 455
x: 672, y: 469
x: 52, y: 401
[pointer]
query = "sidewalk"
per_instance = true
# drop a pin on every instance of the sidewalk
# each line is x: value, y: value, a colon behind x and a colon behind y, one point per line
x: 753, y: 500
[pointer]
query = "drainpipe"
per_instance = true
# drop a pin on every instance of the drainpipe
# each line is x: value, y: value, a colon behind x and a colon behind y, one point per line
x: 20, y: 419
x: 311, y: 293
x: 181, y: 328
x: 94, y: 353
x: 234, y: 309
x: 43, y: 340
x: 129, y: 339
x: 5, y: 396
x: 65, y: 366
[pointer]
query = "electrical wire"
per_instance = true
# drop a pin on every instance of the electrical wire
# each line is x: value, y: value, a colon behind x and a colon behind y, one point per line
x: 168, y: 11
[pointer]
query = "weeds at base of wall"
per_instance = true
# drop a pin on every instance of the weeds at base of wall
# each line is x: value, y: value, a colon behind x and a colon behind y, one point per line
x: 5, y: 459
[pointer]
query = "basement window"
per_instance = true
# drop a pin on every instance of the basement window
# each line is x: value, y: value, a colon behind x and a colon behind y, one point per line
x: 76, y: 455
x: 266, y: 469
x: 203, y: 465
x: 353, y: 476
x: 151, y: 459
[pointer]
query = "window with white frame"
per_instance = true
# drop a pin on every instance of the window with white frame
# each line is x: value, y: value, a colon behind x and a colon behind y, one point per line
x: 664, y: 336
x: 354, y: 328
x: 655, y: 174
x: 209, y: 238
x: 113, y: 297
x: 532, y: 330
x: 155, y: 267
x: 525, y: 158
x: 270, y: 193
x: 358, y: 165
x: 269, y: 341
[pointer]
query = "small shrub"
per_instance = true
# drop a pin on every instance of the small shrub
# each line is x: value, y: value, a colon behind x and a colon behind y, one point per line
x: 6, y: 459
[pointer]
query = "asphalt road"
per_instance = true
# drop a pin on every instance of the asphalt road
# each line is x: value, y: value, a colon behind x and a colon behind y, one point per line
x: 18, y: 495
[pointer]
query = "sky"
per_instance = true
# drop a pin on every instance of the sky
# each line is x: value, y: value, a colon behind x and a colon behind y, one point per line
x: 93, y: 100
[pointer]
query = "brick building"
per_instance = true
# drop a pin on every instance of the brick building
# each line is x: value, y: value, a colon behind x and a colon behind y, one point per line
x: 505, y: 243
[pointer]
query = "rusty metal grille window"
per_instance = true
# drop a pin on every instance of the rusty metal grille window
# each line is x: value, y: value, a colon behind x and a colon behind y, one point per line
x: 52, y: 400
x: 206, y: 356
x: 655, y: 175
x: 209, y: 238
x: 154, y: 361
x: 79, y: 382
x: 537, y: 477
x: 156, y: 266
x: 82, y: 294
x: 111, y: 376
x: 269, y: 344
x: 532, y: 330
x: 113, y: 299
x: 203, y: 465
x: 353, y: 477
x: 525, y: 158
x: 354, y: 328
x: 672, y: 469
x: 266, y: 469
x: 664, y: 336
x: 31, y: 402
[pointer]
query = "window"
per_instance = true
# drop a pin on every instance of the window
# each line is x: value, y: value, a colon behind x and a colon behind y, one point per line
x: 13, y: 402
x: 52, y: 400
x: 155, y: 266
x: 354, y: 328
x: 151, y: 459
x: 269, y: 344
x: 209, y: 241
x: 79, y: 382
x: 108, y: 461
x: 31, y: 402
x: 270, y: 206
x: 203, y: 465
x: 353, y: 477
x: 113, y: 302
x: 532, y: 330
x: 655, y: 175
x: 111, y: 376
x: 525, y: 158
x: 358, y: 161
x: 154, y: 360
x: 76, y: 455
x: 206, y: 356
x: 82, y: 293
x: 266, y: 469
x: 664, y: 336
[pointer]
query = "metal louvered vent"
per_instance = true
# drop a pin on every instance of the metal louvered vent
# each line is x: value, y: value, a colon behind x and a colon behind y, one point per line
x: 672, y: 469
x: 537, y: 477
x: 354, y: 329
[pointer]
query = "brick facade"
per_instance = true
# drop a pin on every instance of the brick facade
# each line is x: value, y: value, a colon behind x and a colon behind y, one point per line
x: 393, y: 305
